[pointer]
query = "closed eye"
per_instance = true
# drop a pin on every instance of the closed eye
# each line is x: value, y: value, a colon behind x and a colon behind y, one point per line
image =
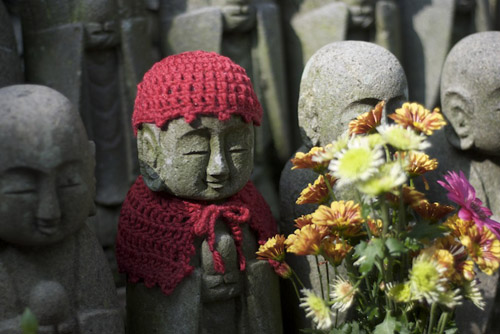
x: 238, y: 150
x: 20, y: 191
x: 196, y: 153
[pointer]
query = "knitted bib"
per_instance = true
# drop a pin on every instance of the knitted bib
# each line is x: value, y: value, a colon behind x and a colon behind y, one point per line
x: 195, y: 83
x: 156, y: 232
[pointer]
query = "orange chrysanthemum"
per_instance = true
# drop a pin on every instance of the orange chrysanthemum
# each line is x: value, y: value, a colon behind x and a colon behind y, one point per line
x: 459, y: 227
x: 462, y: 268
x: 411, y: 197
x: 432, y: 211
x: 367, y: 122
x: 375, y: 226
x: 318, y: 192
x: 334, y: 250
x: 484, y: 249
x: 303, y: 221
x: 414, y: 115
x: 418, y: 163
x: 273, y: 249
x: 340, y: 215
x: 305, y: 160
x: 306, y: 241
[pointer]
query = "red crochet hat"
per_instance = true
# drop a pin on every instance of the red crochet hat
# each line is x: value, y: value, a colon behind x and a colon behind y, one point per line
x: 195, y: 83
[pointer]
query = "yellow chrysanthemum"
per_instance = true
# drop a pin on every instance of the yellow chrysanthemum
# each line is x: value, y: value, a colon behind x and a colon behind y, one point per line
x: 427, y: 278
x: 339, y: 215
x: 317, y: 309
x: 306, y: 241
x: 417, y: 163
x: 318, y: 192
x: 432, y: 211
x: 303, y: 221
x: 402, y: 139
x: 484, y: 249
x: 305, y: 160
x: 400, y: 293
x: 367, y: 122
x: 389, y: 177
x: 342, y: 294
x: 330, y: 150
x: 334, y: 250
x: 273, y: 249
x: 443, y: 257
x: 414, y: 115
x: 462, y: 268
x: 356, y: 163
x: 459, y: 227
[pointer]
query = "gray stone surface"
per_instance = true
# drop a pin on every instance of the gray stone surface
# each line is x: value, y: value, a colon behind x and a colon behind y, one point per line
x: 94, y: 52
x: 430, y: 28
x: 312, y: 24
x: 340, y: 81
x: 248, y: 32
x: 50, y: 261
x: 205, y: 160
x: 470, y: 97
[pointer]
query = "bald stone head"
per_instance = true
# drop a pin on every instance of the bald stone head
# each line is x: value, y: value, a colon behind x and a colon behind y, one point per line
x: 470, y: 93
x: 343, y: 80
x: 46, y: 167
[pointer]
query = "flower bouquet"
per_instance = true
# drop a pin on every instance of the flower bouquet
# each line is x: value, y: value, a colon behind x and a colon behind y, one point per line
x: 408, y: 262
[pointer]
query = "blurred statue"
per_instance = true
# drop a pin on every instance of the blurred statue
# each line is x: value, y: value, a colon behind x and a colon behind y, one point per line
x: 341, y: 81
x: 248, y: 32
x: 50, y: 261
x: 430, y: 28
x: 311, y: 24
x: 10, y: 63
x: 189, y: 227
x: 94, y: 52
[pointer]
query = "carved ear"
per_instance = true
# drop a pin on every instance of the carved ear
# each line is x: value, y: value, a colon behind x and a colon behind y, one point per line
x: 147, y: 148
x: 459, y: 110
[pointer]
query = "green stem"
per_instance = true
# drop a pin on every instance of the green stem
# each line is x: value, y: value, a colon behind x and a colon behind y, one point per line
x: 298, y: 278
x: 443, y: 320
x: 385, y: 216
x: 433, y: 318
x: 295, y: 288
x: 329, y: 186
x: 402, y: 212
x: 320, y: 277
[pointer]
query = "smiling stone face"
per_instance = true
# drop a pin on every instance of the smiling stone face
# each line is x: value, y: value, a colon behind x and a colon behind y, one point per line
x: 46, y: 169
x: 207, y: 159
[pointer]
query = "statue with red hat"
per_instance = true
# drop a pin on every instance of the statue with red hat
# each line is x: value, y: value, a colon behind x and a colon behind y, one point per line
x: 192, y: 222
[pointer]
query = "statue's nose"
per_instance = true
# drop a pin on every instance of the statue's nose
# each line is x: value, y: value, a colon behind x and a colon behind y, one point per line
x: 48, y: 203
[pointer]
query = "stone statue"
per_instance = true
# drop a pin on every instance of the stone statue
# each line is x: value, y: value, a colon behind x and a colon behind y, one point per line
x: 470, y: 98
x: 50, y: 261
x: 189, y: 227
x: 341, y: 81
x: 311, y: 24
x: 248, y: 32
x: 94, y: 52
x: 430, y: 28
x: 10, y: 63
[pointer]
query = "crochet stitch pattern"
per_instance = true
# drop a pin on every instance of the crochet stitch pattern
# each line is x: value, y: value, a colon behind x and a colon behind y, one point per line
x: 156, y: 232
x: 195, y: 83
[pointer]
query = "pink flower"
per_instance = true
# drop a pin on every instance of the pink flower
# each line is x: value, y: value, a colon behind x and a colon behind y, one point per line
x: 463, y: 193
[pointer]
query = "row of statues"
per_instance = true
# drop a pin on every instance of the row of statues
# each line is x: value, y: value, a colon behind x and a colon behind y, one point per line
x: 196, y: 142
x: 191, y: 223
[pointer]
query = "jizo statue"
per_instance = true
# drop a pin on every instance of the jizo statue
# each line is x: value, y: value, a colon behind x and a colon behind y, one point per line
x: 50, y: 261
x: 190, y: 225
x: 341, y: 81
x: 470, y: 98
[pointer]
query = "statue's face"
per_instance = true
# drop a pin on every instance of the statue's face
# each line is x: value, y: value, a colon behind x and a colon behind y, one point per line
x: 207, y: 159
x: 46, y: 186
x: 487, y: 121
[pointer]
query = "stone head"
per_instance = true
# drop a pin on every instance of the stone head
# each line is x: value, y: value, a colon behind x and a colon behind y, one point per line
x: 47, y: 182
x: 361, y: 13
x: 194, y: 115
x: 238, y: 15
x: 470, y: 93
x: 341, y: 81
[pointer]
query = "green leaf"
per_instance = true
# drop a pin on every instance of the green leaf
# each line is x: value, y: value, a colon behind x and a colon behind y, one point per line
x: 29, y: 324
x: 426, y: 231
x: 395, y: 246
x: 367, y: 253
x: 386, y: 327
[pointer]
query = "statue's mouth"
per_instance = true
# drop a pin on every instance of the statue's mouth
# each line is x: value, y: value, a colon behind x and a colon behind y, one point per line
x: 217, y: 184
x: 47, y: 227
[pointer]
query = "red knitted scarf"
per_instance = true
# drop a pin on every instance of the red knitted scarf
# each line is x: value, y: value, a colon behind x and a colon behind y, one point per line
x: 156, y: 232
